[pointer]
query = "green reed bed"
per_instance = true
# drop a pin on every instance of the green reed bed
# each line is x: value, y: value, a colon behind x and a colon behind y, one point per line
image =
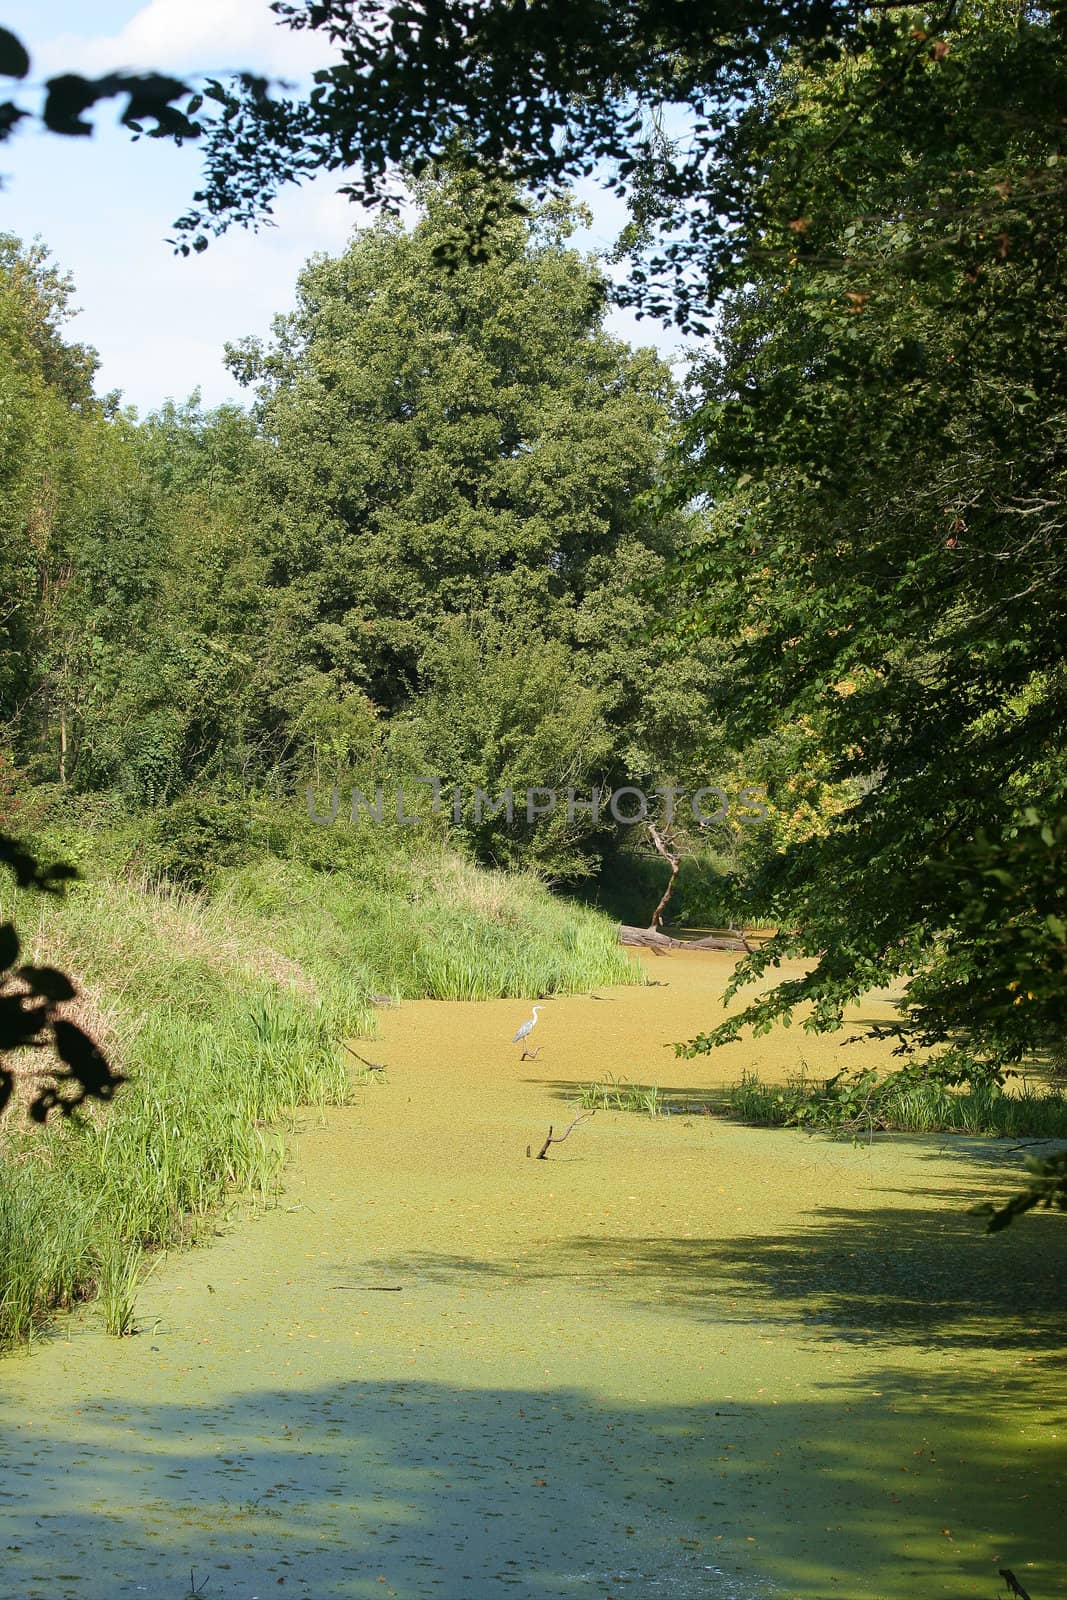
x: 616, y: 1094
x: 852, y: 1104
x: 869, y: 1102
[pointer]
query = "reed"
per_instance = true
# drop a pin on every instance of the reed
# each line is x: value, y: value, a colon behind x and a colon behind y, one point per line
x: 866, y: 1102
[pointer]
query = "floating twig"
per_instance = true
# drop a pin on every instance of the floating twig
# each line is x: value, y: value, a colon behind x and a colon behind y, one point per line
x: 542, y: 1154
x: 372, y: 1066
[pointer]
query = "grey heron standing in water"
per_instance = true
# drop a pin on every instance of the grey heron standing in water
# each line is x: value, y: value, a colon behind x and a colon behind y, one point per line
x: 525, y: 1032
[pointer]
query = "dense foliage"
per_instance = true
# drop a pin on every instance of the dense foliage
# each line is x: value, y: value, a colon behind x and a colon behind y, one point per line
x: 880, y: 440
x: 447, y: 445
x: 428, y: 547
x: 548, y: 91
x: 80, y: 547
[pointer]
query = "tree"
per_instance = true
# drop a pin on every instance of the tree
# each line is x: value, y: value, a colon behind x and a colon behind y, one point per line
x: 505, y: 713
x: 444, y: 445
x: 667, y: 103
x: 79, y: 546
x: 544, y: 92
x: 46, y: 405
x: 880, y: 439
x: 35, y: 302
x: 239, y: 598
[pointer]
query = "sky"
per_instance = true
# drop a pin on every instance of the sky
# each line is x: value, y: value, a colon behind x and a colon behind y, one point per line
x: 105, y: 206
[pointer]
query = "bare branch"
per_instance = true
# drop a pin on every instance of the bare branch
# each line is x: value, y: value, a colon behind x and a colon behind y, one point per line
x: 542, y: 1154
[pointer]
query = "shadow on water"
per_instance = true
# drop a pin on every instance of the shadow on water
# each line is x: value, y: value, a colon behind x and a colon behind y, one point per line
x: 925, y: 1276
x: 417, y: 1489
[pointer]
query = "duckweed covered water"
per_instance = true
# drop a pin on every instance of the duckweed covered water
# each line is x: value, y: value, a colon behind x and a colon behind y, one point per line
x: 679, y: 1357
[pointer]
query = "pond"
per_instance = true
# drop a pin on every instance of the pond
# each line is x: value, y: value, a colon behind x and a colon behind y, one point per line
x: 679, y: 1357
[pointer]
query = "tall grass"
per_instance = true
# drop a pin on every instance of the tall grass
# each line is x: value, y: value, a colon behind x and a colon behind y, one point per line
x: 225, y: 1013
x: 867, y: 1103
x: 432, y: 926
x: 616, y: 1094
x: 196, y: 1121
x: 121, y: 1271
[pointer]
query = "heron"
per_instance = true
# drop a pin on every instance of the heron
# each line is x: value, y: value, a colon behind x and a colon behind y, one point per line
x: 526, y: 1030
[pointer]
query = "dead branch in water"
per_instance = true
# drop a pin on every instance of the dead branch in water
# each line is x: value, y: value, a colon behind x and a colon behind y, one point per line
x: 372, y: 1066
x: 659, y: 943
x: 542, y: 1154
x: 371, y: 1288
x: 529, y: 1055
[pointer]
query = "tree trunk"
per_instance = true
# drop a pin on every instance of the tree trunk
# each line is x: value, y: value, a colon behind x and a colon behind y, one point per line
x: 675, y: 862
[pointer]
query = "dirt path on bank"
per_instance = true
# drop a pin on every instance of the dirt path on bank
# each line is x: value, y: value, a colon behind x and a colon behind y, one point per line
x: 678, y: 1358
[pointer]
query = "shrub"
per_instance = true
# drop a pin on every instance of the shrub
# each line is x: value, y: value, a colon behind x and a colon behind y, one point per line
x: 192, y: 840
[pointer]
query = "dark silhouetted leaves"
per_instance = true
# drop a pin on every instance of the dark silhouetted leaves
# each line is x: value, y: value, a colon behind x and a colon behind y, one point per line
x: 14, y: 62
x: 68, y: 96
x: 29, y: 874
x: 20, y: 1024
x: 28, y: 1002
x: 88, y: 1068
x: 149, y: 96
x: 1046, y: 1190
x: 10, y: 115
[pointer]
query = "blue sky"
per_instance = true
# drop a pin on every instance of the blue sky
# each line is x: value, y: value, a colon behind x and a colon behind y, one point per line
x: 105, y: 205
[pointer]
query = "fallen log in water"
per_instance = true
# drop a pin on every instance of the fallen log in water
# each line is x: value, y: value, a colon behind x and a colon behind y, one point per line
x: 653, y: 939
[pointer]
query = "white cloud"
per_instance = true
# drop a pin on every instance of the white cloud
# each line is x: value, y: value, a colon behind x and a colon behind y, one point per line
x: 160, y: 322
x: 106, y: 207
x: 191, y: 36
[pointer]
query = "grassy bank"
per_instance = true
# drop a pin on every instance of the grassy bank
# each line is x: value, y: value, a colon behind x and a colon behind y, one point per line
x: 855, y: 1104
x: 225, y: 1011
x: 432, y: 926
